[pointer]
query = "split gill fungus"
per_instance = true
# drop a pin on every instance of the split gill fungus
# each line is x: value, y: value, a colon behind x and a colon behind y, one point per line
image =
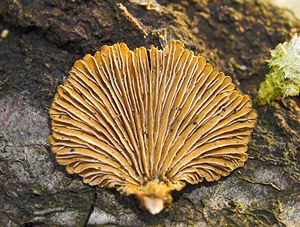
x: 146, y: 122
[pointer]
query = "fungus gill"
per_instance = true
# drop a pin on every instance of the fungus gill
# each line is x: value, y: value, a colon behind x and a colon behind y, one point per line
x: 146, y: 122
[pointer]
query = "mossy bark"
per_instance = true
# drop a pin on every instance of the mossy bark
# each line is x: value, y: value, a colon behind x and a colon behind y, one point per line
x: 44, y: 39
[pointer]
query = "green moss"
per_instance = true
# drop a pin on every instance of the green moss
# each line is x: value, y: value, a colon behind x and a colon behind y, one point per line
x: 284, y: 77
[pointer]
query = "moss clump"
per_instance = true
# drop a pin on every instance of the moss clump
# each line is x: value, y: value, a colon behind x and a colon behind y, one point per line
x: 284, y: 77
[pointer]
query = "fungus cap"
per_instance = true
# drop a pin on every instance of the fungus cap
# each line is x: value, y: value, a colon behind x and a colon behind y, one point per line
x: 146, y: 122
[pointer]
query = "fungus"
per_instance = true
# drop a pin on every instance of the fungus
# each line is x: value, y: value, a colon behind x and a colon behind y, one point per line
x: 147, y: 122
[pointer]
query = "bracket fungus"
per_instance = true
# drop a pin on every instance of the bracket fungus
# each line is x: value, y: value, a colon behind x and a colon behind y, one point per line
x: 146, y: 122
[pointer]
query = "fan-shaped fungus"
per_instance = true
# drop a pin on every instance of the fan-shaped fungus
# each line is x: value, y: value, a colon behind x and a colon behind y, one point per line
x: 149, y: 121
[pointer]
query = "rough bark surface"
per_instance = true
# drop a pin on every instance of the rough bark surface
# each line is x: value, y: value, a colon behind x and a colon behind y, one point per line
x: 45, y: 37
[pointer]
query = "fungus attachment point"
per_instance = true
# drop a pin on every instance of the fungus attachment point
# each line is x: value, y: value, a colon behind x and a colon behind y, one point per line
x: 153, y: 205
x: 154, y: 195
x: 146, y: 122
